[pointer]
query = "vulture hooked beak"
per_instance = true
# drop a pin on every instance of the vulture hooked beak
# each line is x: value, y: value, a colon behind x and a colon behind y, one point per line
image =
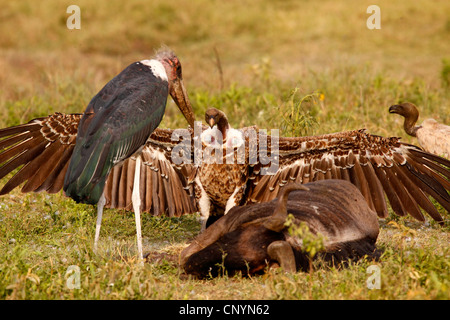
x: 179, y: 95
x: 395, y: 108
x: 211, y: 122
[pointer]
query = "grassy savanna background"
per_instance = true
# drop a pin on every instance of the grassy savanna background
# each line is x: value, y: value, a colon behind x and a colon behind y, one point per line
x: 307, y: 67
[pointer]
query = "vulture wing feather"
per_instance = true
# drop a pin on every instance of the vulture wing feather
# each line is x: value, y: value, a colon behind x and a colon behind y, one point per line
x: 165, y: 189
x: 380, y: 167
x: 35, y: 146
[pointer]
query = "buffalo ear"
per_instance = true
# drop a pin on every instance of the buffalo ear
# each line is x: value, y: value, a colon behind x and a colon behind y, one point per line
x: 276, y: 221
x: 282, y: 252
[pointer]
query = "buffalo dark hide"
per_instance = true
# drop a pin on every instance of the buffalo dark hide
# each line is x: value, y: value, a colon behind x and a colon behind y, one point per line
x: 238, y: 241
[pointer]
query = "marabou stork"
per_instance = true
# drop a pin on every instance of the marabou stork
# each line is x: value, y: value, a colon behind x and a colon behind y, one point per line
x: 115, y: 125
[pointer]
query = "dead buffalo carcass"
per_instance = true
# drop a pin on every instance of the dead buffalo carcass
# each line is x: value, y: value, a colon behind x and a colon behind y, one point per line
x: 250, y: 238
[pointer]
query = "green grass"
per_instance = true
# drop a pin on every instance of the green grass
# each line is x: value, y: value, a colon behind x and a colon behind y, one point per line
x: 43, y: 235
x: 306, y: 67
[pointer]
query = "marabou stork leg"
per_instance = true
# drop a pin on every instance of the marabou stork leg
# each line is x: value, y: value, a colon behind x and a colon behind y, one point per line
x: 136, y: 200
x: 100, y: 205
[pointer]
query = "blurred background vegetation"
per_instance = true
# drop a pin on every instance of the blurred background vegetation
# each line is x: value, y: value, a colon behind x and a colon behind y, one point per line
x: 306, y: 67
x: 245, y: 57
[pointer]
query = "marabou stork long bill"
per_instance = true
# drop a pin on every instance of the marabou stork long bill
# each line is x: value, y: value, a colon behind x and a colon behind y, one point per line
x: 115, y: 125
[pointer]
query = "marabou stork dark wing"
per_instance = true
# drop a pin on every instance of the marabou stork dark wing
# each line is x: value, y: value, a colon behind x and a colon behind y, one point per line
x: 44, y: 146
x: 116, y: 124
x: 165, y: 187
x: 378, y: 166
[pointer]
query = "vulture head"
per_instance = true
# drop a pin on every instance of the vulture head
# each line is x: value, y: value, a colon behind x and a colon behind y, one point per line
x: 411, y: 114
x: 214, y: 117
x: 218, y: 122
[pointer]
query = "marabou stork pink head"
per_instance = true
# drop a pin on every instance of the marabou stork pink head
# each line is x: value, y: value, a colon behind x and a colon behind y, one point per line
x: 177, y: 90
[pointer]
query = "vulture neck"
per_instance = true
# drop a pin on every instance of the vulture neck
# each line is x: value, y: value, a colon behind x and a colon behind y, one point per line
x: 409, y: 124
x: 223, y: 127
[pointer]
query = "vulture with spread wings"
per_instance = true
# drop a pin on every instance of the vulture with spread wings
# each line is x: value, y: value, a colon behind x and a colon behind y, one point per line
x: 380, y: 167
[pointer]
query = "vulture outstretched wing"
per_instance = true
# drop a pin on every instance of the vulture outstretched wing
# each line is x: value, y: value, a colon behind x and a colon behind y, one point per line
x: 165, y: 187
x: 44, y: 146
x: 378, y: 166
